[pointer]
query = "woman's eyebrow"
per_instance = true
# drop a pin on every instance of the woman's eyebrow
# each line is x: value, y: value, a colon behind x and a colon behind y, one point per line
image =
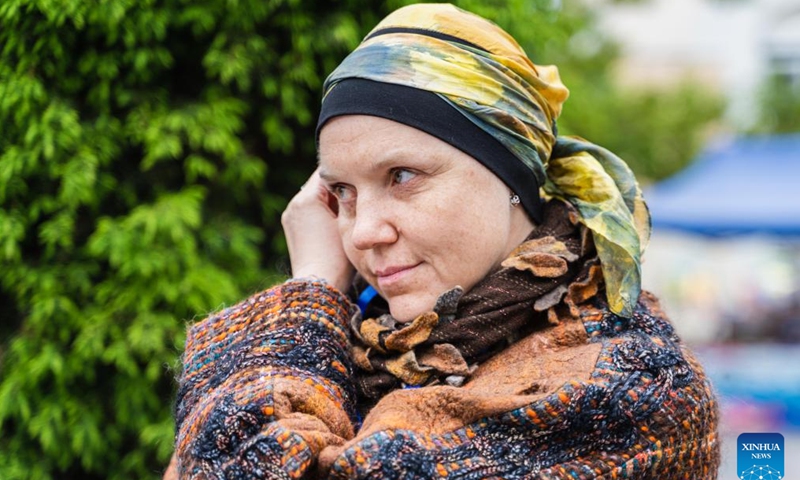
x: 393, y: 157
x: 371, y: 165
x: 325, y: 175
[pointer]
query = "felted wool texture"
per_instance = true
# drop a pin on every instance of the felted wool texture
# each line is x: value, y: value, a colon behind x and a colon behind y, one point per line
x: 598, y: 396
x: 268, y: 391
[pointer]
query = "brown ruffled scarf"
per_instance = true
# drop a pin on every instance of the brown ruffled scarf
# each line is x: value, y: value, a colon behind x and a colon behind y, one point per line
x: 542, y: 280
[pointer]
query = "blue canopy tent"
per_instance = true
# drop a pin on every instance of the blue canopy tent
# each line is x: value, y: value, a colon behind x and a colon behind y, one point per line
x: 747, y: 185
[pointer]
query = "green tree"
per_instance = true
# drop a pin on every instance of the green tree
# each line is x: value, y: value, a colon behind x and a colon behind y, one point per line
x: 146, y: 150
x: 657, y: 131
x: 779, y: 106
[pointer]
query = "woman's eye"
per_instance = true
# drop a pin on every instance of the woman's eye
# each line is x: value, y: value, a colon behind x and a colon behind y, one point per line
x: 401, y: 175
x: 342, y: 193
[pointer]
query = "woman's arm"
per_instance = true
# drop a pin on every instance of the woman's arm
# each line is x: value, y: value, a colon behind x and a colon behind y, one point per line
x: 265, y: 385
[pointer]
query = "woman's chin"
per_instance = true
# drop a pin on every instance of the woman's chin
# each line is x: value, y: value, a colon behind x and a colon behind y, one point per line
x: 406, y: 308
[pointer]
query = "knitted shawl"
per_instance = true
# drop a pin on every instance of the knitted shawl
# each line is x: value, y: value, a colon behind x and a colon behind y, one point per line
x: 575, y: 391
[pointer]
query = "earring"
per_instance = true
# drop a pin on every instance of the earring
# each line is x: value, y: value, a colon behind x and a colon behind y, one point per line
x: 514, y: 200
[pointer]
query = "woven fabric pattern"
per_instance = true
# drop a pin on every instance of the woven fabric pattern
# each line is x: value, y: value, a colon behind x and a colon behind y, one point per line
x: 648, y: 412
x: 249, y: 373
x: 267, y: 393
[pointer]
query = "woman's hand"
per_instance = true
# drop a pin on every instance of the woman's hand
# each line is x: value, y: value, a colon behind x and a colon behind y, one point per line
x: 315, y: 247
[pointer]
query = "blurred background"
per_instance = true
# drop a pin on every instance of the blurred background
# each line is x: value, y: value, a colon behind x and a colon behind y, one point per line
x: 148, y: 147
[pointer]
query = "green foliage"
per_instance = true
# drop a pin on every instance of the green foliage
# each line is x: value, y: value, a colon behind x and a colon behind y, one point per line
x: 779, y: 106
x: 146, y: 150
x: 657, y: 132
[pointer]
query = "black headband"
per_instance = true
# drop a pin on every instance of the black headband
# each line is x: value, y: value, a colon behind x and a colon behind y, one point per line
x: 432, y: 114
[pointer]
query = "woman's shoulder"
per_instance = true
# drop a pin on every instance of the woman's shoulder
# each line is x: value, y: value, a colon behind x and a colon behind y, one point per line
x: 648, y: 318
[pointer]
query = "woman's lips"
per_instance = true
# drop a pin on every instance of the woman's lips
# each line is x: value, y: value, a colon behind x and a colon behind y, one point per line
x: 391, y: 276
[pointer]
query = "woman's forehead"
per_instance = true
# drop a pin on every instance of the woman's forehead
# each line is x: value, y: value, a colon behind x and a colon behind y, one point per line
x: 364, y: 144
x: 377, y: 136
x: 348, y: 128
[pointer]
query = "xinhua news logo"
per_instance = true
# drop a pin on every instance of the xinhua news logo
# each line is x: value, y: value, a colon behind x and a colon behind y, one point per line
x: 760, y: 456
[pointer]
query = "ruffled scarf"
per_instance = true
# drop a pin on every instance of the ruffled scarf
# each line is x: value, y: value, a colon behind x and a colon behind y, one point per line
x: 541, y: 281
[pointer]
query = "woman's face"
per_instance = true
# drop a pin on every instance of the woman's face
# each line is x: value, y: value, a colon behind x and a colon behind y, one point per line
x: 417, y: 216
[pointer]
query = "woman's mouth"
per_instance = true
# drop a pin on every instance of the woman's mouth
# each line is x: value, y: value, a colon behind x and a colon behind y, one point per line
x: 389, y: 277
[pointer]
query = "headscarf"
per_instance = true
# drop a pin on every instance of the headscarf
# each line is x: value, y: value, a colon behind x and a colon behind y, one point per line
x: 481, y: 71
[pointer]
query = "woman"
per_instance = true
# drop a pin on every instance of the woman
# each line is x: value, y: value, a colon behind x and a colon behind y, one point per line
x: 501, y: 330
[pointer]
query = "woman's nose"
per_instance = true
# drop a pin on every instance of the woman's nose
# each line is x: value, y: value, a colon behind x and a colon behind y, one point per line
x: 373, y: 226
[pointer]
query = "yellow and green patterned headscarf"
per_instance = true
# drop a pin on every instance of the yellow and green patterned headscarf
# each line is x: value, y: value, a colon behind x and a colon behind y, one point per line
x: 481, y: 71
